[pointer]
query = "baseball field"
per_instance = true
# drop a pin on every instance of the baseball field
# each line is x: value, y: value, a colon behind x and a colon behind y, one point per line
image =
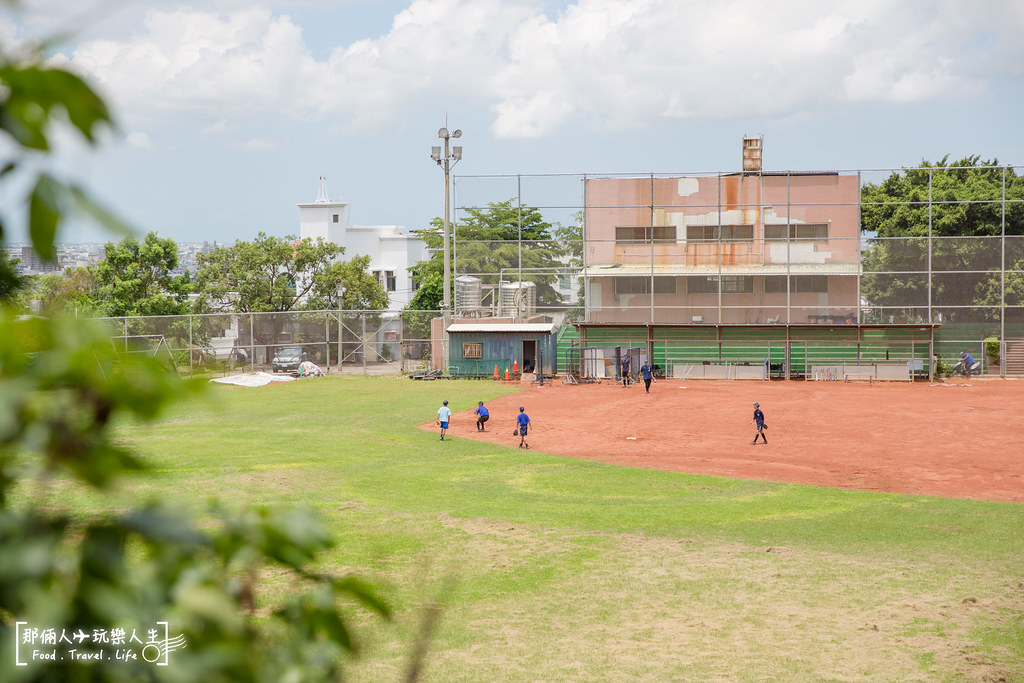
x: 878, y: 535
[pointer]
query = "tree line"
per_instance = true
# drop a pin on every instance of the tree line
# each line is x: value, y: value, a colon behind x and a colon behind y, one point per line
x: 263, y: 275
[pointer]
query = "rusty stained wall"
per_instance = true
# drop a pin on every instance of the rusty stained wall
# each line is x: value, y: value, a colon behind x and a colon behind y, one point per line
x: 751, y: 199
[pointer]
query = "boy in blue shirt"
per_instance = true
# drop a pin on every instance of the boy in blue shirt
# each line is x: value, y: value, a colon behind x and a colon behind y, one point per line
x: 648, y: 375
x: 523, y: 420
x: 482, y: 416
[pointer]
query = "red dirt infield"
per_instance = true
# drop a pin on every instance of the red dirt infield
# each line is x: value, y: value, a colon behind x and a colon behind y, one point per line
x: 956, y: 439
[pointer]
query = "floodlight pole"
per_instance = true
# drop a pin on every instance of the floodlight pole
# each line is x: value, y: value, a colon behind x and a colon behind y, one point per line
x: 341, y: 308
x: 446, y: 161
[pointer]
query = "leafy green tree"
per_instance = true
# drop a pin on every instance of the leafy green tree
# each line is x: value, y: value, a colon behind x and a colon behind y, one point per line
x: 488, y: 243
x: 135, y: 278
x: 280, y: 274
x: 966, y: 201
x: 363, y: 292
x: 62, y: 386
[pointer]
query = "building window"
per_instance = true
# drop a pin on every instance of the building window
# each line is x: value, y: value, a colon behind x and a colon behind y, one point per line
x: 798, y: 284
x: 413, y: 281
x: 472, y: 349
x: 642, y: 233
x: 702, y: 285
x: 710, y: 233
x: 642, y: 285
x: 817, y: 232
x: 391, y: 282
x: 379, y: 277
x: 737, y: 233
x: 808, y: 284
x: 737, y: 284
x: 335, y: 218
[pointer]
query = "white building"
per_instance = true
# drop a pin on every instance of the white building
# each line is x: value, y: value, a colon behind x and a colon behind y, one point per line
x: 392, y: 250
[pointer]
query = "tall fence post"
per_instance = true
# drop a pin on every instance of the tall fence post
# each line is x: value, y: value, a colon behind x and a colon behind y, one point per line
x: 252, y: 342
x: 327, y: 340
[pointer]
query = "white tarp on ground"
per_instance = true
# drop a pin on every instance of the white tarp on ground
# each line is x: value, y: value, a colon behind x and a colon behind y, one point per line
x: 254, y: 379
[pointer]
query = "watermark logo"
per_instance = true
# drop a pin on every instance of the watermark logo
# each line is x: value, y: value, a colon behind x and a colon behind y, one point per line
x: 41, y: 645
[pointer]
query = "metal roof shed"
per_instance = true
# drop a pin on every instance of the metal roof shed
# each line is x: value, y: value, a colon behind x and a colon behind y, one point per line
x: 476, y: 348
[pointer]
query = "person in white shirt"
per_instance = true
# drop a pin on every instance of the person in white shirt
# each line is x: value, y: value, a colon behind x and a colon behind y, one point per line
x: 444, y: 413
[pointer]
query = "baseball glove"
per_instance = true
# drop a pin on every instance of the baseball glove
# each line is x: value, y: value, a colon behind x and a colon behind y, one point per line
x: 515, y: 432
x: 437, y: 423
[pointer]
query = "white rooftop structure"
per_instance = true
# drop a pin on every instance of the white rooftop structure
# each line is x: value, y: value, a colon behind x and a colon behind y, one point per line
x: 392, y: 250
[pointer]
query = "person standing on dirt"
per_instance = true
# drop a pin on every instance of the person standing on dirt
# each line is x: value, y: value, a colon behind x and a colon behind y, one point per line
x: 759, y: 421
x: 482, y: 415
x: 523, y: 421
x: 625, y: 369
x: 648, y: 375
x: 444, y: 414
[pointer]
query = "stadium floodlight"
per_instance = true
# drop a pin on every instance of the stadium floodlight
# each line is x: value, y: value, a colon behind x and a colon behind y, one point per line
x: 447, y: 161
x: 341, y: 309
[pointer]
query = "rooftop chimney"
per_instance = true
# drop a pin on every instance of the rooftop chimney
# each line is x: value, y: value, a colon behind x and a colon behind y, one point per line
x: 752, y: 153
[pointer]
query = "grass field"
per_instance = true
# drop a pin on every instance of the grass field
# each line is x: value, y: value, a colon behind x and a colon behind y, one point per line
x: 548, y: 568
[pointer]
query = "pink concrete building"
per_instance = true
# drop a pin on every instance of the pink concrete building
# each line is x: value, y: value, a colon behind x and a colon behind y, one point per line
x: 745, y: 248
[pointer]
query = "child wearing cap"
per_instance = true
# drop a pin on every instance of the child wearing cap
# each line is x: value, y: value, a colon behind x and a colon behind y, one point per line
x: 482, y: 415
x: 759, y: 421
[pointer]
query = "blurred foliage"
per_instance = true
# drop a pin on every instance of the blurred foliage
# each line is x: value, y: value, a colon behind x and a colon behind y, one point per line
x: 72, y: 291
x: 62, y: 386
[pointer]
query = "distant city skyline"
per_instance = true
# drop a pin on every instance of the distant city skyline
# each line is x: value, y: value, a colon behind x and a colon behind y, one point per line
x: 229, y: 112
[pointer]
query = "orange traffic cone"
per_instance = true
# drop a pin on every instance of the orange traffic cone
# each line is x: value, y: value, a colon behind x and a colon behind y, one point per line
x: 506, y: 373
x: 515, y: 365
x: 496, y: 375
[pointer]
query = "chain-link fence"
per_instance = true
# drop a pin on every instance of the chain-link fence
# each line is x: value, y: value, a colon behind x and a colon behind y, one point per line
x: 861, y: 247
x: 371, y: 342
x: 893, y: 247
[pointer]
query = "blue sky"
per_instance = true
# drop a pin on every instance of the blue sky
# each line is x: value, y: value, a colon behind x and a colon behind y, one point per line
x: 229, y: 111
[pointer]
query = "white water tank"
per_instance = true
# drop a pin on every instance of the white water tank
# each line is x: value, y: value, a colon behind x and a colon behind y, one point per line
x: 517, y: 299
x: 468, y: 295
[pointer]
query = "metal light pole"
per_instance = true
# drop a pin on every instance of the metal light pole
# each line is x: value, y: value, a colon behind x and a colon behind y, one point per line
x: 446, y: 161
x: 341, y: 307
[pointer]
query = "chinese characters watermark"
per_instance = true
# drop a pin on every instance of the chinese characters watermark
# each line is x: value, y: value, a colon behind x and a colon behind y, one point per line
x: 153, y: 645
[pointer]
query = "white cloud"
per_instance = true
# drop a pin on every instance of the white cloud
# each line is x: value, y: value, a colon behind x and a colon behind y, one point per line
x: 219, y: 127
x: 259, y: 145
x: 139, y: 139
x: 602, y: 63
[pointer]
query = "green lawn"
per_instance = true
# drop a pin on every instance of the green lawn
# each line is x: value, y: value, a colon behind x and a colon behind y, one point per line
x: 548, y: 568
